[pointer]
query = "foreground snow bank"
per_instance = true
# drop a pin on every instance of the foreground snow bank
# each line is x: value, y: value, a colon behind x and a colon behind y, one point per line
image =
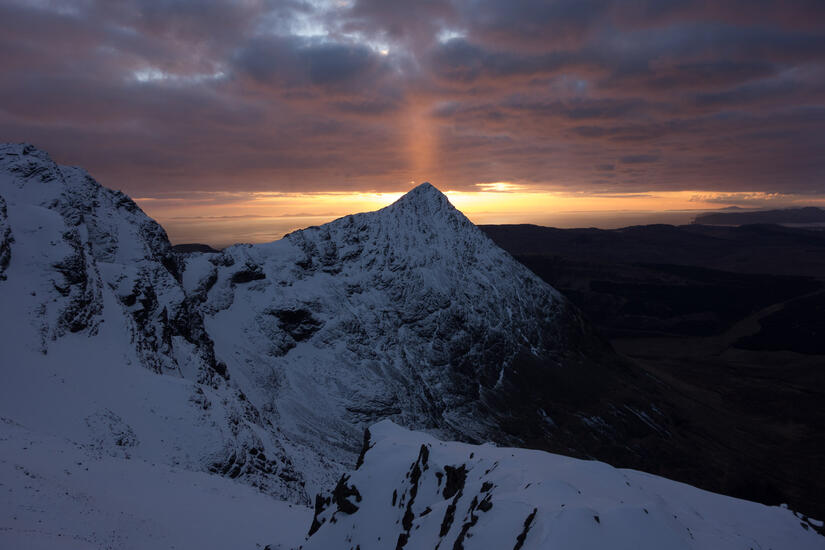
x: 412, y: 491
x: 56, y: 494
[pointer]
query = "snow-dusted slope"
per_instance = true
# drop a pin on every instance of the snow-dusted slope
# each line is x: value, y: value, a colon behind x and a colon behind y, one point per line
x: 56, y: 495
x: 273, y: 358
x: 412, y: 491
x: 100, y: 344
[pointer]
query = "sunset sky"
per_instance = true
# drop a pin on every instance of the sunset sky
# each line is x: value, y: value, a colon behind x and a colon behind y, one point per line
x: 243, y: 119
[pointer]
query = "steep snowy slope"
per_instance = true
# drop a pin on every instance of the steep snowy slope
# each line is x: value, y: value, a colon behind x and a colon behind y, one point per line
x: 412, y: 313
x: 100, y: 344
x: 412, y: 491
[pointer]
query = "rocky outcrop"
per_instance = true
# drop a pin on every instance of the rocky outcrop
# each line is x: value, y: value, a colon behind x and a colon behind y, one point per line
x: 520, y: 499
x: 6, y: 239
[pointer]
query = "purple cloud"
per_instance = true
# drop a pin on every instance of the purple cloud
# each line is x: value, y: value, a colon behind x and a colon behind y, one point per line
x: 252, y: 95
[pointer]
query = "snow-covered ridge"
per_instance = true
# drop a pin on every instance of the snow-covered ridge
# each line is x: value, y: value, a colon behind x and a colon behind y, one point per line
x: 412, y: 492
x: 92, y: 311
x: 275, y: 357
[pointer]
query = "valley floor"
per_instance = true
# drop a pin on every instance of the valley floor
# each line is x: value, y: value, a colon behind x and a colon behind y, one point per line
x: 758, y: 414
x: 730, y: 318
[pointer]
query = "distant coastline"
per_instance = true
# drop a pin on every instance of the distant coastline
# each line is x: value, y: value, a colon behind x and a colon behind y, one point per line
x: 800, y: 217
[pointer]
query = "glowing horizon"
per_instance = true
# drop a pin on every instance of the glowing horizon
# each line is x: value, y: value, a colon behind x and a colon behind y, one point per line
x: 221, y: 219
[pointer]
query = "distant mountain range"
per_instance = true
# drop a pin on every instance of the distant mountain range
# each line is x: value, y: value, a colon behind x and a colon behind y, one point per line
x: 193, y: 248
x: 806, y: 215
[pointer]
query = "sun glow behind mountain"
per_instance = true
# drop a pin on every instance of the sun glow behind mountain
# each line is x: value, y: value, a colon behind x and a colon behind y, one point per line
x: 224, y: 218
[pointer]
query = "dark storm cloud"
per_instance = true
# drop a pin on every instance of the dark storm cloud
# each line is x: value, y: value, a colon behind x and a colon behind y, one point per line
x: 315, y: 94
x: 532, y: 24
x: 581, y: 108
x: 292, y: 62
x: 460, y: 61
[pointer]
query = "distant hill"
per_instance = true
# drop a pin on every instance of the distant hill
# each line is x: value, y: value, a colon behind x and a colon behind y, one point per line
x: 194, y: 247
x: 752, y: 248
x: 808, y: 214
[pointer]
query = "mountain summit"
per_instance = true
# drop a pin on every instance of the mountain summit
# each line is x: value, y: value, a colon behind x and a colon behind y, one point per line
x: 426, y: 197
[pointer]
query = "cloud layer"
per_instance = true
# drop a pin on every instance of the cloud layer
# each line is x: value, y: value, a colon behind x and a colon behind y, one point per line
x: 595, y: 96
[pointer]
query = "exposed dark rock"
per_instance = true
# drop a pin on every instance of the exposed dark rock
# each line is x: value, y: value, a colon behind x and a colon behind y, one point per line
x: 248, y: 274
x: 365, y: 446
x: 455, y: 480
x: 82, y: 286
x: 416, y: 469
x: 449, y: 515
x: 6, y: 240
x: 222, y: 259
x: 528, y: 522
x: 342, y: 493
x: 486, y: 504
x: 298, y: 323
x: 321, y: 504
x: 472, y: 518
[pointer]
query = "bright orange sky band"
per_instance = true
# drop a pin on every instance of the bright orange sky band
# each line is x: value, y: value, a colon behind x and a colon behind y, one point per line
x: 221, y: 219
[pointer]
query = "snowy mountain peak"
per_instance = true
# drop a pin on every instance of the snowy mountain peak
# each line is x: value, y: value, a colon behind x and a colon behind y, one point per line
x: 425, y: 189
x: 425, y: 196
x: 21, y: 149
